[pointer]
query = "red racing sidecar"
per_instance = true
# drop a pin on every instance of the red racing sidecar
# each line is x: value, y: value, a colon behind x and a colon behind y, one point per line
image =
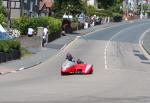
x: 71, y: 67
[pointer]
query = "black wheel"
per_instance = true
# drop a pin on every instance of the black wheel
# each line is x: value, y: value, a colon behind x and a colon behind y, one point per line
x: 62, y: 73
x: 91, y: 71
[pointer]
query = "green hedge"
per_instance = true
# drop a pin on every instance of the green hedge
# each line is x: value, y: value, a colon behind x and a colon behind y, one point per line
x: 117, y: 17
x: 2, y: 18
x: 7, y: 45
x: 23, y: 23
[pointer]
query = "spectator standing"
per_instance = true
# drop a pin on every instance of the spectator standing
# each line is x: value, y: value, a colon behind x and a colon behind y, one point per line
x: 45, y: 32
x: 45, y: 36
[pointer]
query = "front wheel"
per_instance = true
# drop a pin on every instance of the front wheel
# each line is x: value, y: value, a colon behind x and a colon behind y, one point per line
x: 91, y: 71
x: 63, y: 73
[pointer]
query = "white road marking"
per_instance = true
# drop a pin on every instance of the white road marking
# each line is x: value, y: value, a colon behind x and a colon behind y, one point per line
x: 107, y: 46
x: 13, y: 71
x: 72, y: 42
x: 113, y: 25
x: 21, y: 68
x: 141, y: 43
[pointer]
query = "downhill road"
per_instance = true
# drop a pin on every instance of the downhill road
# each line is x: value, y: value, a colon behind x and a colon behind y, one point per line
x: 121, y: 71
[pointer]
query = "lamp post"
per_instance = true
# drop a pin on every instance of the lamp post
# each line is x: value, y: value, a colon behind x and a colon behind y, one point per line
x: 21, y: 8
x: 9, y: 12
x: 141, y: 14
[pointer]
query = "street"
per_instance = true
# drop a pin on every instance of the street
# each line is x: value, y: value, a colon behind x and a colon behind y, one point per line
x: 121, y: 71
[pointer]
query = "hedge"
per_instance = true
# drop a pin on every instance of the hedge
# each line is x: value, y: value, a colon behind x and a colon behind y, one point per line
x: 9, y: 50
x: 7, y: 45
x: 2, y: 18
x: 117, y: 17
x: 23, y: 23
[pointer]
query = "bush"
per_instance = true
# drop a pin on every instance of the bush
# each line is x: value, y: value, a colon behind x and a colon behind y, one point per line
x: 9, y: 50
x: 22, y: 24
x: 117, y: 17
x: 103, y: 13
x: 3, y: 10
x: 7, y: 45
x: 14, y: 44
x: 24, y: 52
x: 2, y: 18
x: 4, y: 46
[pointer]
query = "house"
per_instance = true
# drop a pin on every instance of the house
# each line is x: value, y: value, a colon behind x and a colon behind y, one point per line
x: 45, y: 7
x: 92, y: 3
x: 28, y: 7
x: 15, y: 7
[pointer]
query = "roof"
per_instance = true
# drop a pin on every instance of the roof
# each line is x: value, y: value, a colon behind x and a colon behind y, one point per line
x: 46, y: 4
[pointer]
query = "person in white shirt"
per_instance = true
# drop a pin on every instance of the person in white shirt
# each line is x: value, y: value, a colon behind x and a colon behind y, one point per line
x: 45, y: 31
x: 45, y: 36
x: 30, y: 32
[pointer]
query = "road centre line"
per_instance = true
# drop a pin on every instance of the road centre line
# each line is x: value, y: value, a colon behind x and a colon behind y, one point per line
x: 108, y: 43
x: 72, y: 42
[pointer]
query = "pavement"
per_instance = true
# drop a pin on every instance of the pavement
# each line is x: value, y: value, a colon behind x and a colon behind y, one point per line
x: 41, y: 54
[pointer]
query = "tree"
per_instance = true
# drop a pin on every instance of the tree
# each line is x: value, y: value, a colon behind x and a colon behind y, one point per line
x: 105, y: 4
x: 69, y: 6
x: 0, y: 2
x: 2, y: 9
x: 90, y: 10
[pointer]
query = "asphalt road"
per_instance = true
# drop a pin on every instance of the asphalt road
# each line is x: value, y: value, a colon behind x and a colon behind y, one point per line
x: 121, y: 71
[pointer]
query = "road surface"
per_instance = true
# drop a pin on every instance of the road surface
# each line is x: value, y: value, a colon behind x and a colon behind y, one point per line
x: 121, y: 71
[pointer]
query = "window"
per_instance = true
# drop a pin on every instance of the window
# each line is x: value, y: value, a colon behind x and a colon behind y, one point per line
x: 25, y: 1
x: 15, y: 4
x: 36, y: 2
x: 31, y: 6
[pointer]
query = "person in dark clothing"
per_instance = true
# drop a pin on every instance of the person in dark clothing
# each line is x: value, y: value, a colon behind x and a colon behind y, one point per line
x: 69, y: 57
x: 79, y: 61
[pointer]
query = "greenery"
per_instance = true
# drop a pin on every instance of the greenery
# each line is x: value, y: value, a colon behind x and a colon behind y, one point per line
x: 108, y: 7
x: 23, y: 23
x: 7, y: 45
x: 2, y: 9
x: 90, y: 10
x: 2, y: 18
x: 25, y: 52
x: 106, y: 4
x: 69, y: 6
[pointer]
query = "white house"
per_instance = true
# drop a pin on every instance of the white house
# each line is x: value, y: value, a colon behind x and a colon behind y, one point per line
x: 91, y: 2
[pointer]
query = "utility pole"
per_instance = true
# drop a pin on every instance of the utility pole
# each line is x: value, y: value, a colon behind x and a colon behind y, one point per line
x: 21, y: 8
x: 141, y: 14
x: 9, y: 13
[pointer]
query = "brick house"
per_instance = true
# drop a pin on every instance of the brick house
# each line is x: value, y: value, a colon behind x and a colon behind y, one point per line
x: 29, y: 7
x: 15, y: 7
x: 45, y: 7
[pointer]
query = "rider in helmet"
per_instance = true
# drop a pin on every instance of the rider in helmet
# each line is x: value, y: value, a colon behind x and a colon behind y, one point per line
x: 69, y: 57
x: 79, y: 61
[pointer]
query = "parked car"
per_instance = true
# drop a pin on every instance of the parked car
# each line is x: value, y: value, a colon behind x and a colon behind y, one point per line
x: 5, y: 36
x: 66, y: 25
